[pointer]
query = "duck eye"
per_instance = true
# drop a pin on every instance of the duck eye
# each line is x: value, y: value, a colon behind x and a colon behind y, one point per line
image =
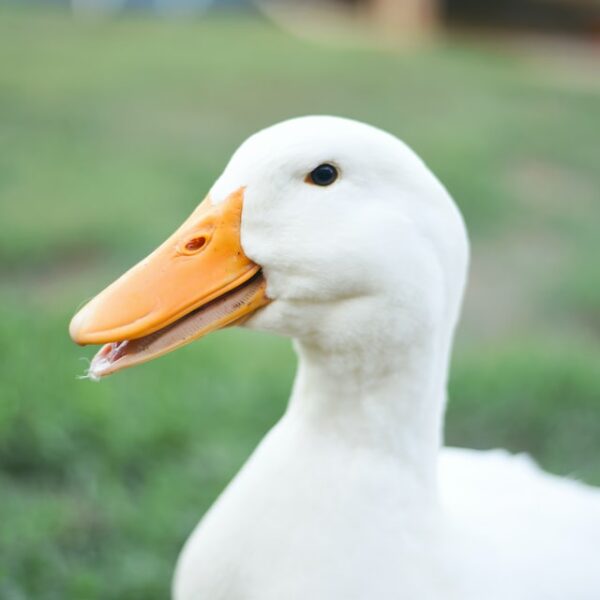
x: 322, y: 175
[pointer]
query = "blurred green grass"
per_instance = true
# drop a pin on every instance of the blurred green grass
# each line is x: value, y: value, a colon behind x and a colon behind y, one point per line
x: 112, y: 131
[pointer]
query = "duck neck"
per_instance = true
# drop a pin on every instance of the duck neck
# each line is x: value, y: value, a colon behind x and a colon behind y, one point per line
x: 387, y: 398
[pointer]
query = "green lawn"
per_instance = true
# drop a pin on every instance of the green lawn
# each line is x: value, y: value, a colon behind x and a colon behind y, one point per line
x: 112, y: 131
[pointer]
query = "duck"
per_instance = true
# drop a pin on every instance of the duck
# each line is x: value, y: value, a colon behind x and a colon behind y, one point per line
x: 336, y: 234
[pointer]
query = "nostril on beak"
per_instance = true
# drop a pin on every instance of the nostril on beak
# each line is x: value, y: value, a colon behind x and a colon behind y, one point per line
x: 195, y: 244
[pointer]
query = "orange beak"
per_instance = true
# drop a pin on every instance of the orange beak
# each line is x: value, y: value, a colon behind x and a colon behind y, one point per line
x: 198, y: 281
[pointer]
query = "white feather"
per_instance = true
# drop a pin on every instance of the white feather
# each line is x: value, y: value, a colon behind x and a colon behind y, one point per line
x: 349, y: 497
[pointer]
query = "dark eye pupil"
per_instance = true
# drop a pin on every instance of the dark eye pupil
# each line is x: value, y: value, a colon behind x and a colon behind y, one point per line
x: 324, y: 174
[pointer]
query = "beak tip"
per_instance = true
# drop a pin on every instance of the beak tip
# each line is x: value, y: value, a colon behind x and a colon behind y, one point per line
x: 77, y: 329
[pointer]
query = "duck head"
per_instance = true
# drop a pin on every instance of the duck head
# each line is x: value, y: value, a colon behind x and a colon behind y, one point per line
x: 320, y: 228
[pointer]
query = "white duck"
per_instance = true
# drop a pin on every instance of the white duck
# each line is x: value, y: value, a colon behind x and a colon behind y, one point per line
x: 336, y: 234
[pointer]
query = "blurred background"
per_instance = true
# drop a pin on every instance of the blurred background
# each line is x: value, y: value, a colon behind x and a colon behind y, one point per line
x: 115, y: 118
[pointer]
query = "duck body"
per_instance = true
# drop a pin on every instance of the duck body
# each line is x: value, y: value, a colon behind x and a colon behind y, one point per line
x: 337, y: 235
x: 349, y: 522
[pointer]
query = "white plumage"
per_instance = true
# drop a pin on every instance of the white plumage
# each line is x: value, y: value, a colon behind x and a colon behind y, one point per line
x: 349, y: 497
